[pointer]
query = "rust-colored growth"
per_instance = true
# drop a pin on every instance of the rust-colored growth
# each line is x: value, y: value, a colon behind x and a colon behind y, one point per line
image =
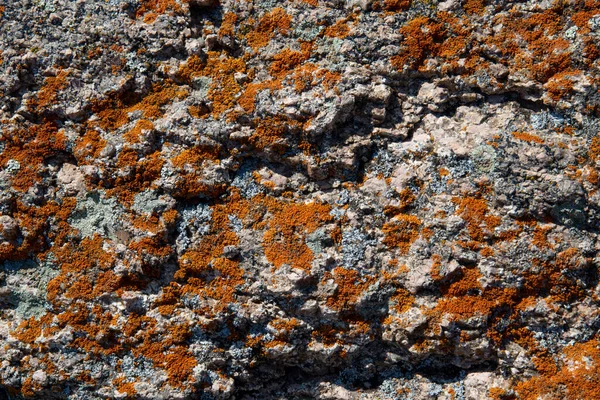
x: 134, y: 135
x: 179, y: 364
x: 474, y: 7
x: 113, y: 111
x: 350, y: 286
x: 581, y: 18
x: 540, y: 237
x: 125, y: 387
x: 594, y: 149
x: 270, y: 133
x: 151, y: 9
x: 575, y: 377
x: 559, y: 86
x: 286, y: 60
x: 49, y: 91
x: 396, y: 5
x: 198, y: 111
x: 284, y: 241
x: 465, y: 298
x: 402, y: 300
x: 401, y: 232
x: 196, y: 155
x: 221, y: 68
x: 248, y: 98
x: 475, y: 213
x: 30, y: 146
x: 422, y: 38
x: 534, y: 44
x: 89, y: 146
x: 228, y: 25
x: 528, y: 137
x: 275, y: 21
x: 193, y: 67
x: 338, y: 30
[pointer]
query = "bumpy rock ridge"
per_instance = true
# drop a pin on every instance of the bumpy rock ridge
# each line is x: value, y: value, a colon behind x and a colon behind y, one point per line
x: 354, y: 199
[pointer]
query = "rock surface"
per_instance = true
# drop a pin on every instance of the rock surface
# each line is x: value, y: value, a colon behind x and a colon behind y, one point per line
x: 328, y: 199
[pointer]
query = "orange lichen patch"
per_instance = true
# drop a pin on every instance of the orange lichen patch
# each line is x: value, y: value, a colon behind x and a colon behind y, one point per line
x: 275, y: 21
x: 422, y: 38
x: 533, y: 43
x: 125, y: 387
x: 195, y: 156
x: 540, y: 237
x: 550, y: 278
x: 48, y: 93
x: 30, y: 330
x: 221, y: 68
x: 134, y: 135
x: 582, y: 18
x: 594, y: 149
x: 465, y: 297
x: 247, y: 99
x: 313, y: 3
x: 575, y: 378
x: 179, y: 364
x: 396, y: 5
x: 284, y: 240
x: 151, y: 9
x: 338, y: 30
x: 560, y: 85
x: 350, y: 286
x: 89, y: 146
x: 113, y: 111
x: 475, y: 213
x: 528, y: 137
x: 271, y: 131
x: 310, y: 75
x: 402, y: 300
x: 205, y: 270
x: 287, y: 60
x: 228, y: 24
x: 401, y: 232
x: 224, y: 87
x: 30, y: 146
x: 474, y: 7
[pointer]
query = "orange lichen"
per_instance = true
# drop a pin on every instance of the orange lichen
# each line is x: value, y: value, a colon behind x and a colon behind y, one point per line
x: 228, y: 24
x: 195, y: 156
x: 134, y: 135
x: 422, y: 38
x: 402, y: 300
x: 350, y: 286
x: 151, y: 9
x: 474, y: 7
x: 540, y: 237
x: 48, y: 93
x: 475, y: 213
x: 560, y: 85
x: 576, y: 378
x: 275, y: 21
x: 284, y: 241
x: 396, y: 5
x: 528, y: 137
x: 594, y: 149
x: 30, y: 146
x: 401, y: 232
x: 338, y: 30
x: 113, y: 112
